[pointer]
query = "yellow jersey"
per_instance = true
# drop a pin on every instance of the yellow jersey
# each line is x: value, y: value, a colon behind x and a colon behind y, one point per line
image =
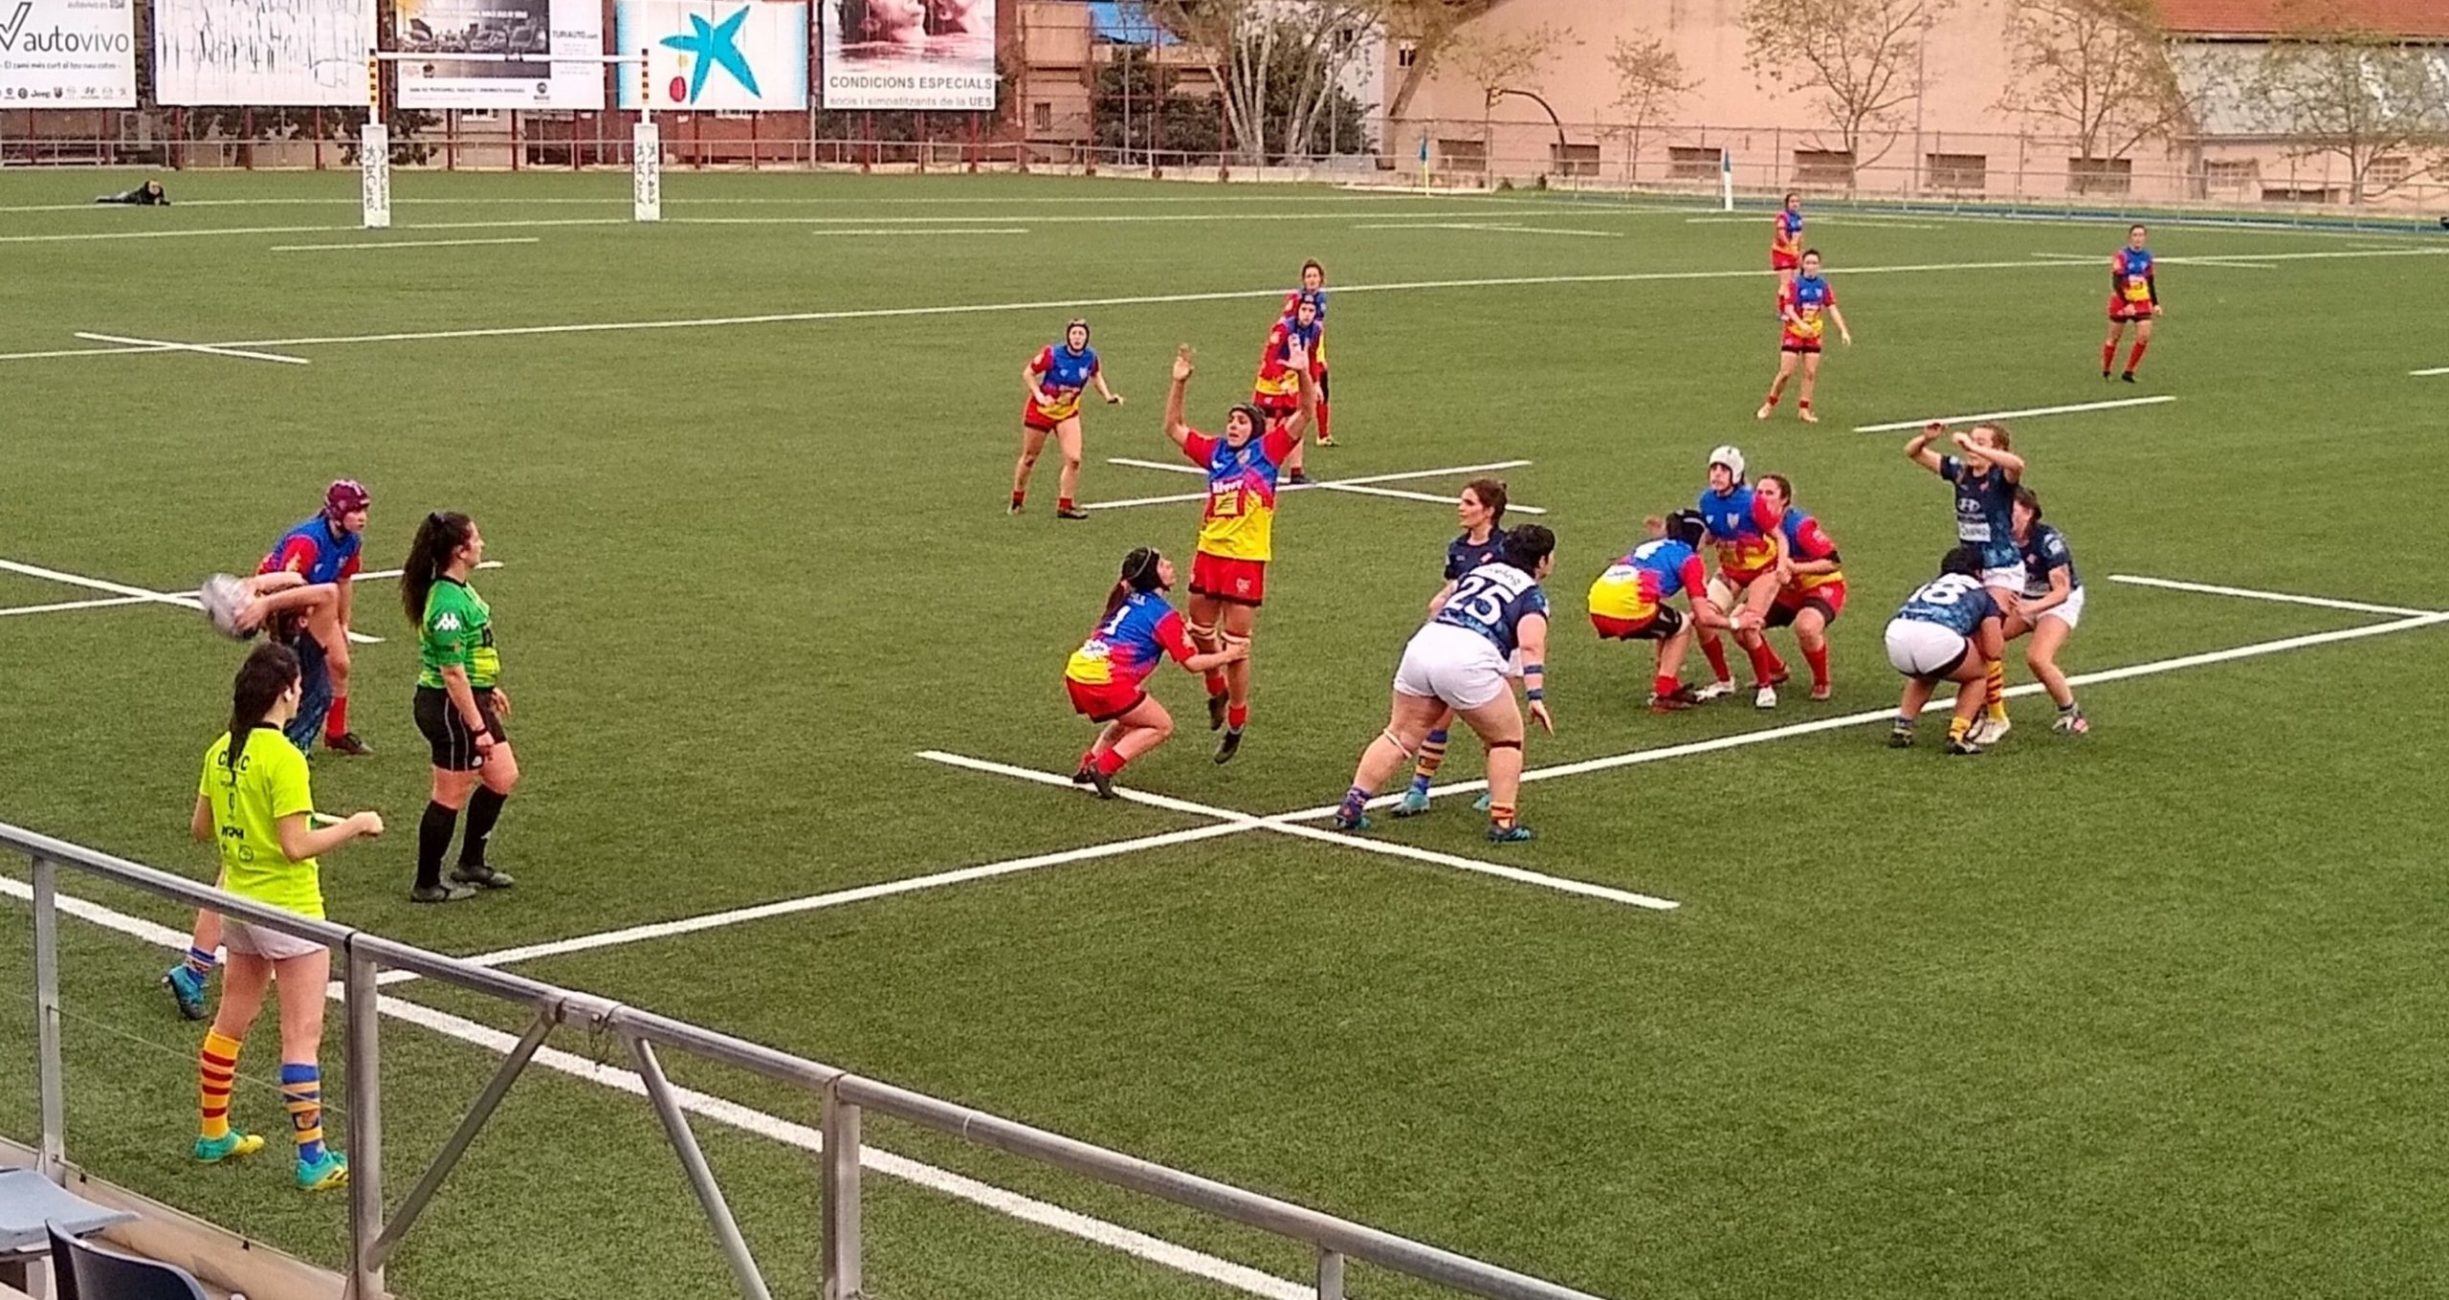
x: 248, y: 802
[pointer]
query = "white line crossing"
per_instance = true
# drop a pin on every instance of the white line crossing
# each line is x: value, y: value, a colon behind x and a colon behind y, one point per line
x: 216, y: 350
x: 2248, y: 593
x: 2027, y: 413
x: 128, y: 595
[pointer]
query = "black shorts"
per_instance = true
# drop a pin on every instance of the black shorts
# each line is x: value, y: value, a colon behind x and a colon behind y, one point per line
x: 1782, y: 614
x: 454, y: 745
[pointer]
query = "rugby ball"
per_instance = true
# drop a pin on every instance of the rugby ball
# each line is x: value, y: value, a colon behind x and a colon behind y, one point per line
x: 222, y: 597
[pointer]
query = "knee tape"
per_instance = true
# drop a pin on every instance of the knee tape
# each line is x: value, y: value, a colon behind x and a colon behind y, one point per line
x: 1397, y: 742
x: 1505, y: 744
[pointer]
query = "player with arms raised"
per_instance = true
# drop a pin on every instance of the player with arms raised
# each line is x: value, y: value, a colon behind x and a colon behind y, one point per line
x: 1949, y: 630
x: 1629, y: 602
x: 1800, y: 305
x: 2134, y: 296
x: 1985, y: 477
x: 1105, y: 675
x: 1054, y: 380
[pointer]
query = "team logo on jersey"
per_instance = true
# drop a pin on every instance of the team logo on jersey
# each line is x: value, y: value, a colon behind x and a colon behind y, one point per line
x: 447, y: 623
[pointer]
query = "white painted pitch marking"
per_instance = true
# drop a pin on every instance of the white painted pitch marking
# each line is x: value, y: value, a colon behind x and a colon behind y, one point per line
x: 400, y: 243
x: 141, y: 596
x: 2248, y: 593
x: 2437, y: 370
x: 1027, y: 1209
x: 932, y: 234
x: 2027, y: 413
x: 1489, y: 226
x: 1245, y: 821
x: 207, y: 349
x: 1357, y: 484
x: 1766, y: 217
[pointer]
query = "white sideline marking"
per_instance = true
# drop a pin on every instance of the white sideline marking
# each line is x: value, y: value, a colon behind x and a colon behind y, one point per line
x: 207, y: 349
x: 999, y: 230
x: 140, y: 596
x: 1766, y: 217
x: 2248, y: 593
x: 1027, y: 1209
x: 1244, y: 821
x: 2015, y: 415
x: 2437, y: 370
x: 2229, y: 262
x: 1358, y: 483
x: 1478, y: 225
x: 399, y: 243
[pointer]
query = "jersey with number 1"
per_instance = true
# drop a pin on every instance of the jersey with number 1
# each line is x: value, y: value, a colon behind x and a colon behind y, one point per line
x: 1492, y: 600
x: 1955, y: 601
x: 1126, y: 646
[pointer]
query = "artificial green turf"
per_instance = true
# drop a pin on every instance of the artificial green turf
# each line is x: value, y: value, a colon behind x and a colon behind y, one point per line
x: 2152, y: 1012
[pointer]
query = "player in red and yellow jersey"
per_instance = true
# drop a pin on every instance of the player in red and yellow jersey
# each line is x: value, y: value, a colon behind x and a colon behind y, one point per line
x: 1629, y: 602
x: 1800, y: 305
x: 1053, y: 380
x: 1228, y: 577
x: 1810, y: 578
x: 1105, y: 675
x: 1314, y: 286
x: 2134, y: 295
x: 1786, y: 240
x: 1277, y: 392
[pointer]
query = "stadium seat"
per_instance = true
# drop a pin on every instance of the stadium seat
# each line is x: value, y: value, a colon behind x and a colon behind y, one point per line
x: 82, y: 1271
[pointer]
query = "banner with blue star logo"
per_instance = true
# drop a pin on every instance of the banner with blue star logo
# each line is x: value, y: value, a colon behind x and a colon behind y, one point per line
x: 715, y: 55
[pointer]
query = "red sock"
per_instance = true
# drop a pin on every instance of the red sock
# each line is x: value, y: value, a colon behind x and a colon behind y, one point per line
x: 1323, y: 424
x: 336, y: 724
x: 1110, y: 762
x: 1215, y: 681
x: 1715, y: 651
x: 1089, y: 759
x: 1237, y: 716
x: 1774, y: 398
x: 2135, y: 357
x: 2108, y: 355
x: 1764, y: 663
x: 1664, y: 685
x: 1062, y: 503
x: 1818, y: 659
x: 1019, y: 497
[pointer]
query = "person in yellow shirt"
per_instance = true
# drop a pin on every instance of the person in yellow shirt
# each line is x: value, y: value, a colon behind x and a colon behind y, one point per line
x: 254, y: 801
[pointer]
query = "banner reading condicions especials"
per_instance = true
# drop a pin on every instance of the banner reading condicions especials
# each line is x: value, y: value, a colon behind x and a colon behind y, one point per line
x: 921, y: 54
x: 437, y: 29
x: 261, y: 52
x: 715, y: 55
x: 67, y: 54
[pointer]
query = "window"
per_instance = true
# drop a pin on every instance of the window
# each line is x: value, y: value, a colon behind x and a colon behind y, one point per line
x: 2306, y: 194
x: 1041, y: 116
x: 1685, y: 163
x: 1961, y: 172
x: 480, y: 115
x: 1464, y: 155
x: 1405, y: 55
x: 2233, y: 175
x: 1574, y: 159
x: 1823, y: 167
x: 2099, y: 175
x: 2387, y: 173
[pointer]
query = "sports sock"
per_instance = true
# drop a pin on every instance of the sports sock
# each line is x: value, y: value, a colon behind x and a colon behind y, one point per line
x: 1237, y: 716
x: 200, y: 963
x: 433, y: 839
x: 216, y: 1070
x: 1355, y: 800
x: 1501, y: 816
x: 2069, y: 709
x: 1958, y: 728
x: 1998, y: 690
x: 484, y: 809
x: 1904, y: 722
x: 1110, y: 762
x: 1215, y: 681
x: 1018, y: 498
x: 2108, y: 355
x: 336, y: 723
x: 1764, y: 663
x: 1772, y: 399
x: 302, y: 1093
x: 1715, y: 651
x: 1062, y: 503
x: 1663, y: 685
x: 1817, y: 657
x: 2134, y: 357
x: 1432, y: 757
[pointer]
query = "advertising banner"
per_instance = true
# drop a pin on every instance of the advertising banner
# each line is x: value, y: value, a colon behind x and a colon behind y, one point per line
x: 67, y: 54
x: 273, y: 53
x: 920, y: 54
x: 716, y: 55
x: 442, y: 28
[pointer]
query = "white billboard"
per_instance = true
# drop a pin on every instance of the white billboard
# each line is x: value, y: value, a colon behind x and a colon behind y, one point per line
x: 262, y: 52
x: 918, y: 54
x: 433, y: 30
x: 715, y: 55
x: 67, y: 54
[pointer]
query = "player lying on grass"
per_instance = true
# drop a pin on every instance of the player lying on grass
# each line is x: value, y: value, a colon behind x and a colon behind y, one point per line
x: 1629, y: 602
x: 1810, y: 583
x: 1985, y: 477
x: 1457, y: 661
x: 1106, y: 676
x: 2049, y: 613
x: 1949, y: 630
x: 1481, y: 512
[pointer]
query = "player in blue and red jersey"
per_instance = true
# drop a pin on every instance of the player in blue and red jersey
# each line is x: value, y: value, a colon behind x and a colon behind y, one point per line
x: 1786, y: 240
x: 1800, y: 305
x: 1105, y: 675
x: 1314, y: 285
x: 1743, y: 530
x: 2134, y: 295
x: 1810, y: 579
x: 1481, y: 512
x: 325, y: 549
x: 1948, y: 630
x: 1228, y: 575
x: 1278, y: 392
x: 1054, y: 380
x: 1629, y: 602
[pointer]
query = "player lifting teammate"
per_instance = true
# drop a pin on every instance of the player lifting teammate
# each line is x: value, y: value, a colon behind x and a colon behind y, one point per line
x: 2134, y: 295
x: 1104, y: 676
x: 1054, y: 380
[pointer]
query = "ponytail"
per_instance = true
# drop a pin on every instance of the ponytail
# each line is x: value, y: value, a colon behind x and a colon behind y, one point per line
x: 1139, y: 573
x: 439, y: 537
x: 268, y: 673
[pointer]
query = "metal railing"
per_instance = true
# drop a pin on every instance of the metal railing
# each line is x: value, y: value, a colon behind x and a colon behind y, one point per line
x: 373, y: 1237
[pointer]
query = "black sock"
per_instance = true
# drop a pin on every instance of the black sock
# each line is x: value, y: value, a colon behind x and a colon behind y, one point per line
x: 484, y: 809
x: 433, y: 838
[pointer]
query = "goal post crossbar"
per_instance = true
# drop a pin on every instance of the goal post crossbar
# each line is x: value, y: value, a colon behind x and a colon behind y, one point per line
x: 646, y: 138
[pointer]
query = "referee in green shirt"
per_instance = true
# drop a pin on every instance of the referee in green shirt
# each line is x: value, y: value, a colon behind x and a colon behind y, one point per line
x: 460, y: 707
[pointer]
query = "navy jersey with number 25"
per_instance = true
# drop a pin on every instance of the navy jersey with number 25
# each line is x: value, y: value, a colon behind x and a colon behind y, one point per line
x: 1492, y: 600
x: 1954, y: 601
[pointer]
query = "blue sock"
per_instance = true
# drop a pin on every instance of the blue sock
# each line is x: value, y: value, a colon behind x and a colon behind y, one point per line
x: 1355, y: 799
x: 302, y: 1092
x: 1432, y: 757
x: 200, y: 963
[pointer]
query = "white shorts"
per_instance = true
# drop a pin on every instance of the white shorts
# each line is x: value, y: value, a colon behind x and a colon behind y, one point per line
x: 2010, y: 578
x: 271, y: 945
x: 1454, y: 665
x: 1919, y: 649
x: 2069, y: 613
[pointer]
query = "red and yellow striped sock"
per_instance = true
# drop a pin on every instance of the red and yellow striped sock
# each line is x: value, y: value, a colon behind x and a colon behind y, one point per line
x: 216, y: 1072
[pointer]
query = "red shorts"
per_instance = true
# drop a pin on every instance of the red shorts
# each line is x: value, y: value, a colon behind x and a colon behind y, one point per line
x: 1104, y: 703
x: 1792, y: 344
x: 1241, y: 582
x: 1782, y: 261
x: 1033, y: 418
x: 1664, y: 623
x: 1277, y: 409
x: 2122, y: 311
x: 1828, y: 598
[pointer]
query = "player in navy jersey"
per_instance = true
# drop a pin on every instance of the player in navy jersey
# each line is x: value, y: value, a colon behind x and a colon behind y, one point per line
x: 1985, y: 476
x: 1949, y: 630
x: 2051, y: 610
x: 1481, y: 511
x: 1457, y: 661
x: 1105, y: 676
x: 1054, y: 379
x: 2134, y: 295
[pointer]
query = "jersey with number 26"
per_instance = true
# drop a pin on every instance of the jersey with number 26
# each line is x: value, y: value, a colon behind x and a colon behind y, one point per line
x: 1492, y: 600
x: 1955, y: 601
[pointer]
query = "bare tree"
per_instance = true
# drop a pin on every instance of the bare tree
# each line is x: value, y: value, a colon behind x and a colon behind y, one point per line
x: 1427, y: 28
x: 2097, y: 68
x: 1861, y: 59
x: 1496, y: 63
x: 1649, y: 81
x: 1247, y: 44
x: 2368, y: 99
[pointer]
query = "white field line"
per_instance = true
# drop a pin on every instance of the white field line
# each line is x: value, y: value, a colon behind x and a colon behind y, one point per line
x: 1767, y: 217
x: 2231, y: 263
x: 207, y: 349
x: 1027, y: 1209
x: 2026, y: 413
x: 2248, y: 593
x: 1245, y: 821
x: 399, y: 243
x: 1358, y: 483
x: 140, y: 596
x: 932, y: 234
x: 1490, y: 226
x: 2437, y: 370
x: 1346, y: 194
x: 1048, y: 305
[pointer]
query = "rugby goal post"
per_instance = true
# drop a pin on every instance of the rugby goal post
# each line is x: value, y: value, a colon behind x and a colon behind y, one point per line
x: 374, y: 148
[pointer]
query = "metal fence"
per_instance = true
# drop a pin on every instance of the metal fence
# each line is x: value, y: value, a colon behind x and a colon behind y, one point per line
x: 845, y: 1097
